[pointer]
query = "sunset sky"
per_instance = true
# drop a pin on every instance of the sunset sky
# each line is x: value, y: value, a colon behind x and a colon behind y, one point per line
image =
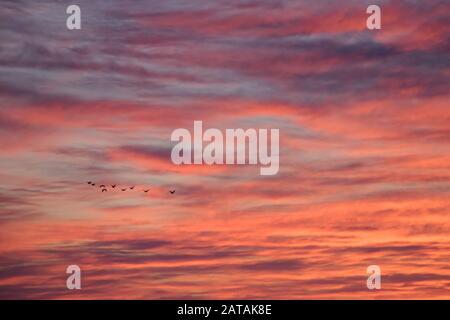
x: 364, y: 178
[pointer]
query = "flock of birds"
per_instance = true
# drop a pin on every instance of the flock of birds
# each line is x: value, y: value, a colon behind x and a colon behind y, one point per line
x: 104, y: 187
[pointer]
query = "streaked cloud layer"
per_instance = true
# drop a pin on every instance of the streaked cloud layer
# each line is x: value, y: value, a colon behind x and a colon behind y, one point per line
x: 365, y: 149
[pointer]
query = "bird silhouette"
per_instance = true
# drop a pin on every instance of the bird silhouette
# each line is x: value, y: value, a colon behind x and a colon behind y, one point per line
x: 172, y: 191
x: 104, y: 188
